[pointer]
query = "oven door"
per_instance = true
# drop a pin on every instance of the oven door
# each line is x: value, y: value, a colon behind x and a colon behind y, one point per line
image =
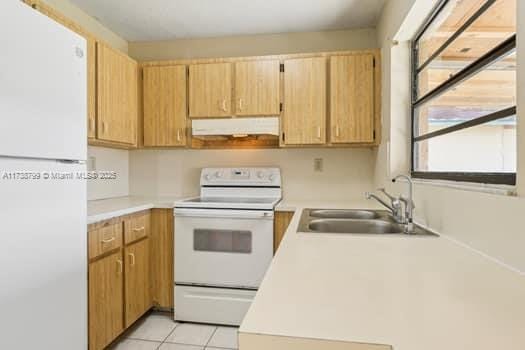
x: 222, y: 247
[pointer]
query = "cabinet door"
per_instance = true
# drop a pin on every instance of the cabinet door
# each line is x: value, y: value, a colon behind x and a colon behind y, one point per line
x: 304, y: 117
x: 116, y: 96
x: 352, y: 99
x: 281, y: 222
x: 137, y: 285
x: 210, y: 90
x: 165, y: 106
x: 91, y: 88
x: 162, y: 262
x: 106, y: 303
x: 257, y: 88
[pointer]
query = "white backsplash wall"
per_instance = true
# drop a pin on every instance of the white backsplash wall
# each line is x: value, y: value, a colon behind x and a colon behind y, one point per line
x: 347, y: 173
x: 107, y: 159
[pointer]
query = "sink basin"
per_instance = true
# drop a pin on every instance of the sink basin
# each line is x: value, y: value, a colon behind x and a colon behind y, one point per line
x: 344, y: 214
x: 354, y: 221
x: 354, y: 226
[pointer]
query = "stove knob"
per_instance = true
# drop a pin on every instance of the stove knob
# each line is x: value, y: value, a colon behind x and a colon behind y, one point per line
x: 260, y: 175
x: 271, y: 177
x: 207, y: 177
x: 218, y: 174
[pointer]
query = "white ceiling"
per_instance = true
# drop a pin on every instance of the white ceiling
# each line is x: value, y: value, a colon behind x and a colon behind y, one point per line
x: 144, y: 20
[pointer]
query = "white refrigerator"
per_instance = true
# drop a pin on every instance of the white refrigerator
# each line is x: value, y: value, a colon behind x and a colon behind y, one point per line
x: 43, y: 250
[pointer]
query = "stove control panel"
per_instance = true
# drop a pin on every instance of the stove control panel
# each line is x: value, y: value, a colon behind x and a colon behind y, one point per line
x: 241, y: 177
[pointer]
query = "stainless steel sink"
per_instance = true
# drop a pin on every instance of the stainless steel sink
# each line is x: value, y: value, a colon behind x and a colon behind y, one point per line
x: 354, y: 226
x: 353, y: 221
x: 344, y: 214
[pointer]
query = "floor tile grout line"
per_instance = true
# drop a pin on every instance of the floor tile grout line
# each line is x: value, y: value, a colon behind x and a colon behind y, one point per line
x: 214, y: 331
x: 170, y: 333
x: 148, y: 340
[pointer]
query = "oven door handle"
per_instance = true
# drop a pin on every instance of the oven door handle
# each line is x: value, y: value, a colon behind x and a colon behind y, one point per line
x: 224, y: 213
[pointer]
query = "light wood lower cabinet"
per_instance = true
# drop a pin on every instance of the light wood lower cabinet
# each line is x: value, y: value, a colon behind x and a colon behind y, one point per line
x: 281, y: 221
x: 119, y: 276
x: 162, y: 258
x: 137, y: 284
x: 106, y: 300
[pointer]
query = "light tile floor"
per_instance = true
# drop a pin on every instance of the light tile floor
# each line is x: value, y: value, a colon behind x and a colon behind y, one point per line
x: 158, y: 331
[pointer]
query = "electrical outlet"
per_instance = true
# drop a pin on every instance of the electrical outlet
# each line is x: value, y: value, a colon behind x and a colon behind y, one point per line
x: 92, y: 164
x: 318, y: 164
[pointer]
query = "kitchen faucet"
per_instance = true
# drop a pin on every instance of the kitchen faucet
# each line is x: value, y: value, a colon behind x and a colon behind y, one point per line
x: 409, y: 203
x: 396, y: 206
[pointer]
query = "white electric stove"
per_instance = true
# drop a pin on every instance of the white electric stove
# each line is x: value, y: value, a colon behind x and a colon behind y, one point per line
x: 224, y: 243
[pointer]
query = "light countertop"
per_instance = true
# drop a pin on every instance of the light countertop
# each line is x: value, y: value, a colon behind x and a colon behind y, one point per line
x: 411, y: 293
x: 104, y: 209
x: 294, y: 204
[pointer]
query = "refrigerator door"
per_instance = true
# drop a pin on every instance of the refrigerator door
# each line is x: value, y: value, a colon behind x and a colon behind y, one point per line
x: 43, y: 86
x: 43, y: 257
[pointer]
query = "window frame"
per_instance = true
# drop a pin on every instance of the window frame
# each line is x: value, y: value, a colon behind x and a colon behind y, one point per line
x: 503, y: 49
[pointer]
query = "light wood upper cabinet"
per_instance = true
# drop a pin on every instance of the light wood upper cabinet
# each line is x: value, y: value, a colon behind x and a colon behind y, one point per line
x: 92, y: 88
x: 137, y: 283
x: 165, y: 106
x: 106, y: 302
x: 352, y: 99
x: 210, y: 89
x: 116, y: 96
x: 304, y: 114
x: 257, y: 88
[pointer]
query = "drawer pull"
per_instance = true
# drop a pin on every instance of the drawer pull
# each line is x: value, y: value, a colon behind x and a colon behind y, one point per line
x: 109, y: 240
x: 138, y: 229
x: 120, y: 266
x: 132, y: 260
x: 222, y: 105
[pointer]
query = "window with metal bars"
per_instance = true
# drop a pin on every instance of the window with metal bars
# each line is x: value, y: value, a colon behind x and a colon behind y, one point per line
x: 464, y: 93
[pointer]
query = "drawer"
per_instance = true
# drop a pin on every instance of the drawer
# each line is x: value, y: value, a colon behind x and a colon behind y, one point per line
x: 212, y: 305
x: 104, y: 239
x: 136, y: 227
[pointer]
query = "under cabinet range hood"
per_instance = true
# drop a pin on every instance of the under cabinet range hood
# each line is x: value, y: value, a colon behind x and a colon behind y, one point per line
x: 236, y: 127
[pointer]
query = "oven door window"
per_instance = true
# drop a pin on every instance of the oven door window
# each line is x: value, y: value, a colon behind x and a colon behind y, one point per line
x: 223, y: 241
